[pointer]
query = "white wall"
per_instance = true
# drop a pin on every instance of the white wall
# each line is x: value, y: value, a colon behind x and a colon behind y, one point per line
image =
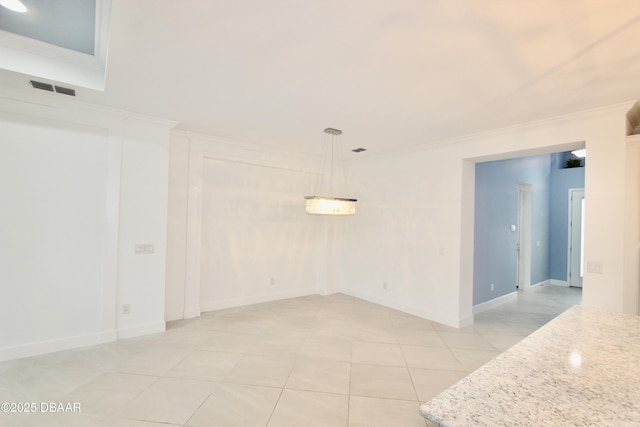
x: 177, y: 228
x: 54, y: 233
x: 143, y: 220
x: 78, y: 187
x: 237, y: 221
x: 605, y: 186
x: 410, y: 245
x: 414, y: 227
x: 406, y: 234
x: 81, y: 187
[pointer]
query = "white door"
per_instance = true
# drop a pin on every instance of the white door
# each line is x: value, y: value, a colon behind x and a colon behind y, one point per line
x: 576, y: 232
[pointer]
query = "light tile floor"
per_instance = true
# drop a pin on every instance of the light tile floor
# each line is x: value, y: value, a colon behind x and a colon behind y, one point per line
x: 311, y: 361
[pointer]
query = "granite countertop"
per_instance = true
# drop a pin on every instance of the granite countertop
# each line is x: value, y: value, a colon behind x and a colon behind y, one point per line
x: 580, y: 369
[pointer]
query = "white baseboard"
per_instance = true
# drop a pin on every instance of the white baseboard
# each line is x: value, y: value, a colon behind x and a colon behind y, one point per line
x: 465, y: 321
x: 50, y: 346
x: 548, y: 282
x: 136, y: 331
x: 248, y: 300
x: 78, y: 341
x: 170, y: 316
x: 410, y: 309
x: 543, y: 283
x: 555, y: 282
x: 496, y: 302
x: 190, y: 313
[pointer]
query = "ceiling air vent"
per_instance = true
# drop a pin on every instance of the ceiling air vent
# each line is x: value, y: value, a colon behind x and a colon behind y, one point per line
x: 51, y: 88
x: 43, y: 86
x: 65, y: 90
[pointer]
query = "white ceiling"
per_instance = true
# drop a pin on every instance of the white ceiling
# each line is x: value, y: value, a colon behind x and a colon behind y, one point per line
x: 391, y: 74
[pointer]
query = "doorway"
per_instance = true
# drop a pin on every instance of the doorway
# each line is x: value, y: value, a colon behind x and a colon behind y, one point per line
x: 523, y: 245
x: 575, y: 265
x: 520, y: 224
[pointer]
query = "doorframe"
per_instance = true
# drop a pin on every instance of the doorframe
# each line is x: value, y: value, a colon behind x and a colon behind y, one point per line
x: 573, y: 191
x: 523, y: 249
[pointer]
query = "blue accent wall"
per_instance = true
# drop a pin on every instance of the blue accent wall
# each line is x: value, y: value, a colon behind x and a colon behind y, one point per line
x: 496, y: 209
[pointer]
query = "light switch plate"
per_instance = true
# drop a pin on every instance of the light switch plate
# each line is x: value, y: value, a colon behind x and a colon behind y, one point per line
x: 594, y: 267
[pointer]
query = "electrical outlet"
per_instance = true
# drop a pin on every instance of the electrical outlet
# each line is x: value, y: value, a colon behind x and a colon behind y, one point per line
x: 144, y: 248
x: 492, y: 288
x: 384, y: 285
x: 126, y: 308
x: 272, y: 281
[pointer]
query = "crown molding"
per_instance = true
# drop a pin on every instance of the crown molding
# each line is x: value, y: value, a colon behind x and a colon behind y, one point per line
x: 621, y: 108
x: 69, y: 108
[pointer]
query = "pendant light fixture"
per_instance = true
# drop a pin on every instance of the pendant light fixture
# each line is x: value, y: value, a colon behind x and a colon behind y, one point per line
x: 331, y: 180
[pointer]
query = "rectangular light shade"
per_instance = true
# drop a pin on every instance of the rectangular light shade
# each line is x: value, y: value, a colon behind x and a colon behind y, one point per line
x: 330, y: 205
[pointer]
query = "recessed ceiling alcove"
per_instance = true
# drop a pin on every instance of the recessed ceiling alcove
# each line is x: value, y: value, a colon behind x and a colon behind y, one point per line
x: 62, y: 41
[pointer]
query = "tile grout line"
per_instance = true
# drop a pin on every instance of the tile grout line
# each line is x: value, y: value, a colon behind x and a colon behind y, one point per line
x: 350, y: 372
x: 406, y: 364
x: 136, y: 349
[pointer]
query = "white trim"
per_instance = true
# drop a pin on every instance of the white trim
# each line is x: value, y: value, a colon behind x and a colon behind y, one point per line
x: 170, y: 316
x: 570, y: 212
x: 60, y: 109
x: 31, y: 57
x: 109, y: 292
x: 102, y: 31
x: 194, y: 230
x: 410, y: 309
x: 524, y: 254
x: 50, y: 62
x: 50, y: 346
x: 241, y: 146
x: 543, y: 283
x: 465, y: 321
x: 206, y: 155
x: 622, y: 107
x: 136, y: 331
x: 190, y: 313
x: 248, y: 300
x: 555, y: 282
x: 496, y: 302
